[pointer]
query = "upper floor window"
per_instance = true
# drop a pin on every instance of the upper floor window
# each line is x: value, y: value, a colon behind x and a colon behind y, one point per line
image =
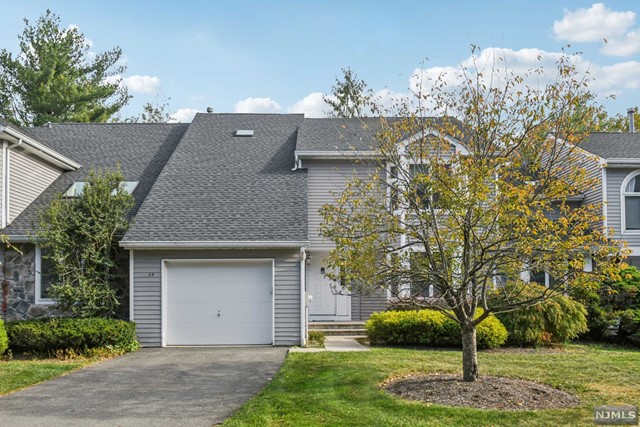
x: 631, y: 202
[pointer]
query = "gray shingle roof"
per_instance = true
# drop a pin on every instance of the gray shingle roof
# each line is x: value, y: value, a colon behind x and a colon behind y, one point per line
x: 338, y: 134
x: 613, y: 145
x: 141, y: 150
x: 217, y: 187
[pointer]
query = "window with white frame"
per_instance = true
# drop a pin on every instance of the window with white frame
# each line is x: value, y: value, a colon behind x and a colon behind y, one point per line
x: 43, y: 278
x: 631, y: 202
x: 415, y: 181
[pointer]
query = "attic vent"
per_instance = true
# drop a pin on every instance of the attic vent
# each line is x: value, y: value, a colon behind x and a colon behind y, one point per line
x: 244, y: 132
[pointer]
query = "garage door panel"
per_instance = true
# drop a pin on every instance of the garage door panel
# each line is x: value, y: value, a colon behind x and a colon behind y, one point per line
x: 240, y: 291
x: 247, y: 312
x: 203, y: 334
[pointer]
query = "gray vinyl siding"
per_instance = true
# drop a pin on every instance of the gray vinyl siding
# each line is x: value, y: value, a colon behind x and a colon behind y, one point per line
x: 363, y: 306
x: 28, y: 178
x: 325, y: 180
x: 615, y: 176
x: 147, y: 288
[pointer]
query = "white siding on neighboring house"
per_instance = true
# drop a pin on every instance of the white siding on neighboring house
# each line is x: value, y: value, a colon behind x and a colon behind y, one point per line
x: 147, y: 290
x: 28, y: 178
x: 325, y: 180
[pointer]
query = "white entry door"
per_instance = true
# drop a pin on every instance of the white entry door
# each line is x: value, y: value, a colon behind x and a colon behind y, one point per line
x: 327, y: 301
x: 213, y: 302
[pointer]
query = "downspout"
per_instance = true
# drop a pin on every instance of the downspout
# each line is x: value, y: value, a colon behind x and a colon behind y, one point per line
x: 5, y: 184
x: 303, y: 297
x: 131, y: 285
x: 297, y: 163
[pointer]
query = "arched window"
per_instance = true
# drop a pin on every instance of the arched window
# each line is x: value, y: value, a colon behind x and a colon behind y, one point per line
x: 631, y: 202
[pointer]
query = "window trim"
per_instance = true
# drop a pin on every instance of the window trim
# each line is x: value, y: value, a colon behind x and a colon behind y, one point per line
x: 128, y: 186
x: 38, y: 280
x: 623, y: 203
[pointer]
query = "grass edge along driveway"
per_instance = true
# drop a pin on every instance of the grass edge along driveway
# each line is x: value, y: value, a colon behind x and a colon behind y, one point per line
x: 315, y: 389
x: 19, y: 374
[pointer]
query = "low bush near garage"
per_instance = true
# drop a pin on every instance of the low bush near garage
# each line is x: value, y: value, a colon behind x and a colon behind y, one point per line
x: 429, y: 328
x: 72, y: 336
x: 3, y: 338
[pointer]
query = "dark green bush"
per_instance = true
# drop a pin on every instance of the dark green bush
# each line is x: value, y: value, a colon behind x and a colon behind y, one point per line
x: 629, y: 330
x: 47, y: 336
x: 429, y: 328
x: 3, y: 338
x: 555, y: 320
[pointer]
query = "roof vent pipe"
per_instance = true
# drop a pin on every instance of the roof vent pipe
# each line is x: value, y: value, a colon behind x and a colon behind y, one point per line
x: 632, y: 125
x: 209, y: 110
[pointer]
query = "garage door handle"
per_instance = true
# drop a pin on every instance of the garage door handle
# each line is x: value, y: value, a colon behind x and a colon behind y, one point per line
x: 218, y: 313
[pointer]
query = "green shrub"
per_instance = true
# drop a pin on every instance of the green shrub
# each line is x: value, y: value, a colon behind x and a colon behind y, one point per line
x: 556, y: 319
x: 48, y: 336
x: 3, y: 338
x: 429, y: 328
x: 316, y: 339
x: 630, y: 326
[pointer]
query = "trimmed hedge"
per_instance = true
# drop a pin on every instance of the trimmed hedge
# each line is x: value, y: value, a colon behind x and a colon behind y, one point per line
x: 4, y: 345
x: 46, y: 336
x: 555, y: 320
x: 429, y: 328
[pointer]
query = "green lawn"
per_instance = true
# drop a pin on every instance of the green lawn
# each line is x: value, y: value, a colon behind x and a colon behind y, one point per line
x: 341, y: 389
x: 17, y: 374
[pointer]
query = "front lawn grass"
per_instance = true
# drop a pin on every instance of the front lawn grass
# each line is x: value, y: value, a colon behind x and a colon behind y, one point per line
x: 342, y: 389
x: 18, y: 374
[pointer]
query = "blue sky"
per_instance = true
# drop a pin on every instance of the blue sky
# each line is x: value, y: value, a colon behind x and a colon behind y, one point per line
x: 280, y: 56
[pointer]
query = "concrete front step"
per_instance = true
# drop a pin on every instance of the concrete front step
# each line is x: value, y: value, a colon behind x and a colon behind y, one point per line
x: 342, y: 332
x: 339, y: 328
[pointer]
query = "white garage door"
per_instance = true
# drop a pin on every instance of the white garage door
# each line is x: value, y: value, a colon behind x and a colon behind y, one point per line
x: 211, y: 302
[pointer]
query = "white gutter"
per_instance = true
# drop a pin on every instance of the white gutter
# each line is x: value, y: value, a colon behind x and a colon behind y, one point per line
x: 622, y: 162
x: 40, y: 150
x: 303, y: 297
x: 350, y: 154
x: 212, y: 244
x: 21, y: 238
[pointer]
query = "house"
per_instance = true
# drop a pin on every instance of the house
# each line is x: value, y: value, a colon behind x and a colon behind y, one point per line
x: 225, y: 247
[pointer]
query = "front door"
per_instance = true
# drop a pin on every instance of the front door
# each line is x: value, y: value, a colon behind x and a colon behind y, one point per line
x: 328, y: 300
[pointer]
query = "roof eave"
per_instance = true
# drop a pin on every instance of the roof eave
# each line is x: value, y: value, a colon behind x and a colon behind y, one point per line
x: 337, y: 154
x: 622, y: 162
x: 150, y: 245
x: 36, y: 148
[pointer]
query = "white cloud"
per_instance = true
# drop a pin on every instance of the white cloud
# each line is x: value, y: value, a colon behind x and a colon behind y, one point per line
x: 257, y: 105
x: 495, y: 63
x: 593, y: 24
x: 184, y: 115
x: 312, y: 105
x: 599, y: 23
x: 142, y: 84
x: 626, y: 46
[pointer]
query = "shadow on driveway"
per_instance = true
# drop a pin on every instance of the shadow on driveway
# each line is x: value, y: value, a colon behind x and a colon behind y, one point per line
x: 152, y: 387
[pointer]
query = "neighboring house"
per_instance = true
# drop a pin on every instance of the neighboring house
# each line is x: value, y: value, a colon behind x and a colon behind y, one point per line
x: 225, y: 246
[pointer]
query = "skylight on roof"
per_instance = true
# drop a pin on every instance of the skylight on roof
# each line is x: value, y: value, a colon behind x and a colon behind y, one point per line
x: 77, y: 188
x: 244, y: 132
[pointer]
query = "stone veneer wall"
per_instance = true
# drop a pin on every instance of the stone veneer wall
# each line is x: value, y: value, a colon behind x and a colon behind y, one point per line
x: 19, y: 272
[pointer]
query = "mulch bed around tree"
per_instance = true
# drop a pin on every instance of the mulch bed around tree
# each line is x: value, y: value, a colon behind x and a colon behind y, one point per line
x: 485, y: 393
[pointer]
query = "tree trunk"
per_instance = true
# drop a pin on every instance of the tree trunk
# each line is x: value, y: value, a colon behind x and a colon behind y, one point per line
x: 469, y: 353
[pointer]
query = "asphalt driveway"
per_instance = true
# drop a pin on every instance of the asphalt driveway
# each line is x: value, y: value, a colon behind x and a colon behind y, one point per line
x: 152, y: 387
